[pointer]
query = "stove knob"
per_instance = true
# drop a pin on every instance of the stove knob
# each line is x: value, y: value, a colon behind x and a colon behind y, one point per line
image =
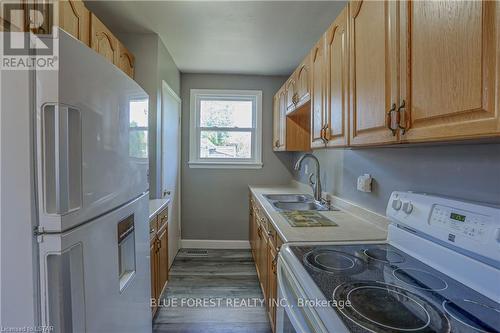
x: 396, y: 204
x: 407, y: 207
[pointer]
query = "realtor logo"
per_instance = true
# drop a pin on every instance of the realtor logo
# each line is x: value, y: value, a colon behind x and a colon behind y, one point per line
x: 27, y: 40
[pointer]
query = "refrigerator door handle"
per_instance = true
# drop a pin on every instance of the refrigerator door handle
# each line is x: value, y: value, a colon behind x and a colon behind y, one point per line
x: 62, y: 158
x: 63, y: 288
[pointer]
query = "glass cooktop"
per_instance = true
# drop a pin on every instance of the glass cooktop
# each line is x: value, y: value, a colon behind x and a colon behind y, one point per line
x: 387, y: 290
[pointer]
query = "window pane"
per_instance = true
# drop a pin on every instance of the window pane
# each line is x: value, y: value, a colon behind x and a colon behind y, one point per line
x: 138, y: 143
x: 138, y: 113
x: 222, y: 113
x: 223, y: 144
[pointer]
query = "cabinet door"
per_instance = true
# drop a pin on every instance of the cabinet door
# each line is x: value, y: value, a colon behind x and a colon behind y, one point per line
x: 282, y: 103
x: 102, y: 40
x: 452, y: 69
x: 276, y: 121
x: 263, y: 267
x: 162, y: 259
x: 126, y: 60
x: 373, y: 72
x: 291, y: 91
x: 337, y: 94
x: 318, y: 94
x: 258, y: 245
x: 303, y: 81
x: 74, y: 18
x: 272, y: 284
x: 153, y: 257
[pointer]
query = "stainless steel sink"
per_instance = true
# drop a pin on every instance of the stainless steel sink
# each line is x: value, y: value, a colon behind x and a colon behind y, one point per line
x: 289, y: 197
x: 299, y: 206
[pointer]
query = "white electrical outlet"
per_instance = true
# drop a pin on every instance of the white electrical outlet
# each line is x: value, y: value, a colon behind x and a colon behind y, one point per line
x: 365, y: 183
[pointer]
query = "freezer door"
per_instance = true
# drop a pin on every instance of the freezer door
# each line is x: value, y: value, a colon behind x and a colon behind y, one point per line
x: 92, y: 130
x: 95, y: 278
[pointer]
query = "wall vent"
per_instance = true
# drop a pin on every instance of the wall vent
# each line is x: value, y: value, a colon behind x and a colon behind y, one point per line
x: 196, y: 253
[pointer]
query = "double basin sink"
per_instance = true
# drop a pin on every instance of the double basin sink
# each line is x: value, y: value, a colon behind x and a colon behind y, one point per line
x: 300, y: 202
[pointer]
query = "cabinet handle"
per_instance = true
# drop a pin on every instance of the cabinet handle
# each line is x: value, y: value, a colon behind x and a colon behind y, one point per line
x: 389, y: 119
x: 152, y: 230
x: 401, y: 108
x: 323, y: 133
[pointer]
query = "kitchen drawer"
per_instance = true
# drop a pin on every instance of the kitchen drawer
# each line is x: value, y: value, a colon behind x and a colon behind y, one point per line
x: 162, y: 218
x: 153, y: 227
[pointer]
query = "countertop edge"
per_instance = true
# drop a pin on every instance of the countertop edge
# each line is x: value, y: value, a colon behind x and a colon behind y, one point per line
x: 157, y: 205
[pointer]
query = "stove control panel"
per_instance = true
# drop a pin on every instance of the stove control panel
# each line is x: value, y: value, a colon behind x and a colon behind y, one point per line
x: 468, y: 226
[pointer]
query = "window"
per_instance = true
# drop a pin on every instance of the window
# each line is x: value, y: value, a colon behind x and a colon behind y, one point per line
x: 138, y: 128
x: 225, y: 129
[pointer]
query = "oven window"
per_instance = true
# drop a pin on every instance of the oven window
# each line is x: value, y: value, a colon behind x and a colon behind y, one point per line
x: 126, y: 251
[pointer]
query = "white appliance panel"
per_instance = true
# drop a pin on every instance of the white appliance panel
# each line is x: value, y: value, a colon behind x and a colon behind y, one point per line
x: 81, y: 289
x: 85, y: 164
x: 468, y: 227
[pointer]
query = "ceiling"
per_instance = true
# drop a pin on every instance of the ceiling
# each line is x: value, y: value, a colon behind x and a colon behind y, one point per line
x: 243, y: 37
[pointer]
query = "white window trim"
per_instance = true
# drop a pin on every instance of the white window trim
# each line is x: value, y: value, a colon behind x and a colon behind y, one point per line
x: 195, y: 161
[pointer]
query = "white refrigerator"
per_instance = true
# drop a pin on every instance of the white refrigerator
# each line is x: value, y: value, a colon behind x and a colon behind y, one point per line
x: 74, y: 196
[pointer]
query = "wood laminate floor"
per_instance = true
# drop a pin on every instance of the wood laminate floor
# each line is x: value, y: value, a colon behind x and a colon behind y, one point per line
x: 218, y: 293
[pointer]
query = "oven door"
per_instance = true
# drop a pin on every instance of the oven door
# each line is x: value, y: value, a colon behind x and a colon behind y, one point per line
x: 290, y: 316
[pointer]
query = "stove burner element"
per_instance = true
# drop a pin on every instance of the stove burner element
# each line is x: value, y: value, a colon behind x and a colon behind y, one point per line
x: 380, y: 307
x: 333, y: 261
x: 389, y: 257
x: 419, y: 279
x: 468, y: 312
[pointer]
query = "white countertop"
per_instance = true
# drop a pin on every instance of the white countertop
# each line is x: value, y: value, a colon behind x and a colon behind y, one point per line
x: 157, y: 205
x: 349, y: 227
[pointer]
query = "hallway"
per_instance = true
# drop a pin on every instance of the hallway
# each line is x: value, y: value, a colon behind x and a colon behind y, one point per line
x: 218, y: 292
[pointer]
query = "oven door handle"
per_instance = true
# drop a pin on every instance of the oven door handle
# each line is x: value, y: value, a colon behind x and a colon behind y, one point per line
x: 289, y: 311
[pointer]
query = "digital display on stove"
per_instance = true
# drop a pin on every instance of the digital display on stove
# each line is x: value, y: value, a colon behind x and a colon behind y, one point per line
x: 457, y: 217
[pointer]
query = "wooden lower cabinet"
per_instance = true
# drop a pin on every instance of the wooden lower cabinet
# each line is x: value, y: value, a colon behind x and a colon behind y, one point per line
x: 153, y: 255
x: 163, y: 257
x: 158, y: 251
x: 272, y: 261
x: 265, y: 244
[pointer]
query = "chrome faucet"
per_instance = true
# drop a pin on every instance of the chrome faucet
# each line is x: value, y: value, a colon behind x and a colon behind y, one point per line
x: 316, y: 185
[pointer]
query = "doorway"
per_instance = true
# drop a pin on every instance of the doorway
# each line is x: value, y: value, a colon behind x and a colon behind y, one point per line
x: 170, y: 164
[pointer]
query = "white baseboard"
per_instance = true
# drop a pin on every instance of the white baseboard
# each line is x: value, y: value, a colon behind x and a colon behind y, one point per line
x: 214, y: 244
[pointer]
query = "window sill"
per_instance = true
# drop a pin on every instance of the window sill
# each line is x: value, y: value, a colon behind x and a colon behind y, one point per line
x: 225, y: 165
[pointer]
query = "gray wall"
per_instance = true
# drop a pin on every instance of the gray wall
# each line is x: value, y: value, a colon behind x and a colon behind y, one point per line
x: 465, y: 171
x: 215, y: 201
x: 153, y: 63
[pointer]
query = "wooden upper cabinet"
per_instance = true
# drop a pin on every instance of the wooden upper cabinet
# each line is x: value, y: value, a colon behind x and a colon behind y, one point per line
x: 125, y: 60
x: 373, y: 72
x: 103, y: 41
x: 451, y: 79
x: 303, y: 81
x: 74, y: 18
x: 291, y: 93
x: 337, y: 82
x: 276, y: 121
x: 318, y: 93
x: 282, y: 104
